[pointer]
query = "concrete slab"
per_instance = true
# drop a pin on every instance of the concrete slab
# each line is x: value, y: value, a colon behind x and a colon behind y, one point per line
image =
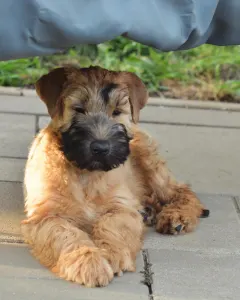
x: 217, y: 235
x: 10, y: 227
x: 12, y: 169
x: 207, y: 158
x: 190, y: 116
x: 11, y: 211
x: 186, y: 275
x: 11, y: 197
x: 43, y: 122
x: 25, y: 105
x: 211, y: 105
x: 16, y: 134
x: 22, y: 277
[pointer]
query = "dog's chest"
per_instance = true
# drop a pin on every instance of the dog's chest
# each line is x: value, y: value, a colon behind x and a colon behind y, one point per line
x: 94, y: 191
x: 91, y: 193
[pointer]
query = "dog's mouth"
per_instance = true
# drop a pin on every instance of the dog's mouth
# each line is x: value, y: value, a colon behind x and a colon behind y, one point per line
x: 81, y: 148
x: 100, y: 164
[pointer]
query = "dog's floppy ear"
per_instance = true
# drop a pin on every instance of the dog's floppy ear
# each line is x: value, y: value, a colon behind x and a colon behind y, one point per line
x: 49, y: 88
x: 138, y: 94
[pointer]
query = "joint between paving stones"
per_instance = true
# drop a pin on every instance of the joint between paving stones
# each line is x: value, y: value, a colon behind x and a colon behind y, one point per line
x: 189, y: 124
x: 37, y: 124
x: 147, y: 274
x: 236, y: 201
x: 12, y: 241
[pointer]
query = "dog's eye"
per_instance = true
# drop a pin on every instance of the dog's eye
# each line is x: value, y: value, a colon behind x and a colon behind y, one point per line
x: 79, y: 109
x: 116, y: 112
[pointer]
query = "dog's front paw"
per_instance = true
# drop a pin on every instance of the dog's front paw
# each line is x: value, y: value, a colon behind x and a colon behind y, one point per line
x: 121, y: 260
x: 86, y: 266
x: 176, y: 220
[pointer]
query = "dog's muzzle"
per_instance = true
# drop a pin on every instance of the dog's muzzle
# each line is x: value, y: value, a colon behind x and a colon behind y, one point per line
x: 96, y: 144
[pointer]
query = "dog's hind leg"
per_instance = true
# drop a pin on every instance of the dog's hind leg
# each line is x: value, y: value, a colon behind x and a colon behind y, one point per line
x: 179, y: 208
x: 67, y: 251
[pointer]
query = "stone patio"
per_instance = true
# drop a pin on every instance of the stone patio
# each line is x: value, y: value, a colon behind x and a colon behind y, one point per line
x: 202, y: 147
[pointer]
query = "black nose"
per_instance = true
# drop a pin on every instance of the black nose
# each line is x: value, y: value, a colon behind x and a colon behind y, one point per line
x: 100, y: 147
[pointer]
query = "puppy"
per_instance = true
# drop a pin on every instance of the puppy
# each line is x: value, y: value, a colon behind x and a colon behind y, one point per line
x: 89, y: 174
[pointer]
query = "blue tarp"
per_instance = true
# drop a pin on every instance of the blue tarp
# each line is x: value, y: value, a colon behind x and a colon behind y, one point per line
x: 40, y: 27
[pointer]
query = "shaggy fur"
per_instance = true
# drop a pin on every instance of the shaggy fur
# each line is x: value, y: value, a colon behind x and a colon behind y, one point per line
x: 90, y: 172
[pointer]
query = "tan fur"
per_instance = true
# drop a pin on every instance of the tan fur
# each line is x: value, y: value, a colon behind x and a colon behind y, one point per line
x: 85, y: 226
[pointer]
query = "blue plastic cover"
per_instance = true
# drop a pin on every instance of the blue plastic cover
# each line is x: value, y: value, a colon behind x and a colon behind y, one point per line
x: 40, y: 27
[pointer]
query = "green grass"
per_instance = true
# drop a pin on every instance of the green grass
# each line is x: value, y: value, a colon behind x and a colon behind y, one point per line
x: 206, y: 72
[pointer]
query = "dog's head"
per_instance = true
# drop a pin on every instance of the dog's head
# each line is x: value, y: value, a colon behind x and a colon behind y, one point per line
x: 93, y: 110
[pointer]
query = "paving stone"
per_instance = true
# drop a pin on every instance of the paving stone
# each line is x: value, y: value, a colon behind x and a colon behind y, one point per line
x: 12, y: 169
x: 10, y: 231
x: 218, y: 234
x: 16, y: 134
x: 181, y: 103
x: 186, y: 275
x: 190, y: 116
x: 11, y: 211
x: 23, y: 277
x: 11, y: 196
x: 207, y: 158
x: 16, y: 104
x: 43, y: 122
x: 13, y: 91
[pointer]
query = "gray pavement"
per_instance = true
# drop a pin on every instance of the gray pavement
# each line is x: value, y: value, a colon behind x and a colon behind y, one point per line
x: 202, y: 147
